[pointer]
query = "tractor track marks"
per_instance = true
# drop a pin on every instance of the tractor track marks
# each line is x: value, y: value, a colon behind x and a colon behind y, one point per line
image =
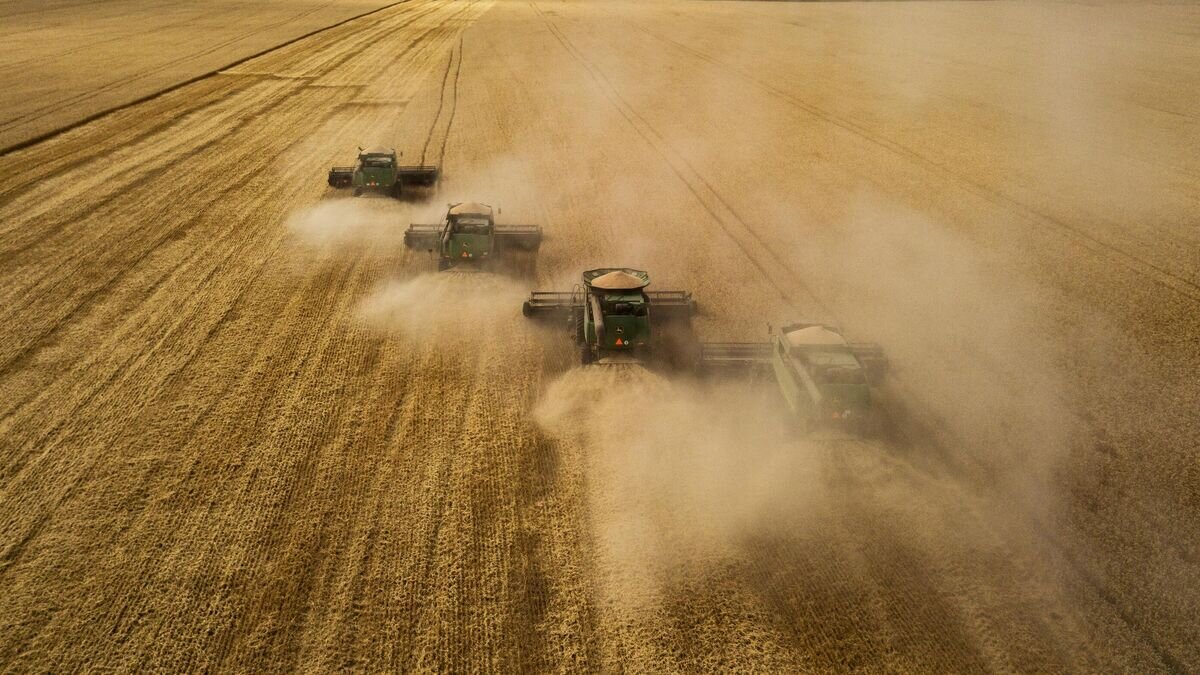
x: 449, y: 90
x: 724, y: 215
x: 92, y: 45
x: 453, y: 105
x: 62, y: 158
x: 441, y: 104
x: 116, y: 84
x: 1157, y: 273
x: 39, y: 113
x: 212, y: 255
x: 942, y: 437
x: 213, y: 458
x: 58, y: 276
x: 712, y: 202
x: 147, y: 180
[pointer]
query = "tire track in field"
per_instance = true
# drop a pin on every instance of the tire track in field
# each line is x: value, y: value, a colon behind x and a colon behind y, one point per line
x: 129, y: 269
x: 296, y: 108
x: 722, y: 213
x: 244, y: 115
x: 1156, y: 273
x: 373, y: 55
x: 59, y: 105
x: 778, y: 274
x: 219, y: 197
x: 448, y: 103
x: 44, y: 439
x: 101, y: 387
x: 151, y: 149
x: 115, y: 130
x: 181, y: 595
x: 441, y: 104
x: 90, y: 46
x: 550, y: 620
x: 453, y: 104
x: 944, y: 445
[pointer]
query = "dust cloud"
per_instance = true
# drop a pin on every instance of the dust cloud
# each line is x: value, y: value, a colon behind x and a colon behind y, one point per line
x: 681, y: 473
x: 678, y: 472
x: 966, y: 336
x: 449, y: 306
x: 504, y: 182
x: 351, y: 225
x: 376, y: 223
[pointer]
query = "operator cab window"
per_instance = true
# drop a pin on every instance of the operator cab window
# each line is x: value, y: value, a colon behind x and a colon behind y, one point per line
x: 476, y: 225
x: 832, y: 367
x: 626, y: 307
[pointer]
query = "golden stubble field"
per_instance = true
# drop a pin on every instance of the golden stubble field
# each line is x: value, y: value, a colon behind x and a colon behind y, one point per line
x: 62, y: 61
x: 242, y: 428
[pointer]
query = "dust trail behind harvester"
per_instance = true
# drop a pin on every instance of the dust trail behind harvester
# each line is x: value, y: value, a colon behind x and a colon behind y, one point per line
x: 706, y: 510
x: 677, y: 474
x: 351, y: 225
x: 449, y: 307
x: 966, y: 336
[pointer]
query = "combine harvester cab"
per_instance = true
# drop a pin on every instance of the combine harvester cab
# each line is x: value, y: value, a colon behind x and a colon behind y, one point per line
x: 825, y: 381
x: 611, y: 314
x: 469, y: 235
x: 378, y: 170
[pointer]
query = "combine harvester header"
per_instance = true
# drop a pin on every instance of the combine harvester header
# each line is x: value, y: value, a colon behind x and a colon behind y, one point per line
x: 825, y: 380
x: 611, y: 314
x: 468, y: 234
x: 378, y: 170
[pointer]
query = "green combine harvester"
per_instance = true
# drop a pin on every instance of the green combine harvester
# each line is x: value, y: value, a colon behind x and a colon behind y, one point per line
x: 611, y: 314
x: 377, y: 170
x: 825, y: 380
x: 469, y: 235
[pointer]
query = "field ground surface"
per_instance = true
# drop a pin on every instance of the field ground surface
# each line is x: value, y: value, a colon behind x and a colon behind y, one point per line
x: 64, y: 60
x: 241, y: 427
